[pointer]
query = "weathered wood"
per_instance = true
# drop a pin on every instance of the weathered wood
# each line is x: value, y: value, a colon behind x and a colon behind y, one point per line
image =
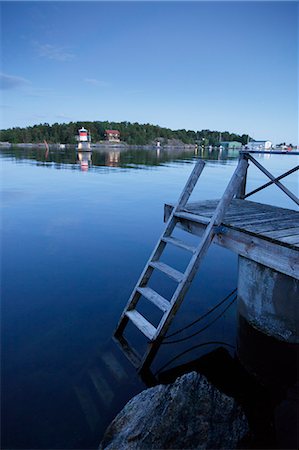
x: 264, y: 251
x: 251, y: 218
x: 192, y: 180
x: 270, y: 220
x: 242, y: 188
x: 196, y: 259
x: 263, y: 248
x: 261, y: 220
x: 192, y: 216
x: 269, y: 225
x: 169, y: 271
x: 157, y: 252
x: 155, y: 298
x: 291, y: 239
x: 178, y: 243
x: 240, y: 216
x: 282, y: 233
x: 141, y: 323
x: 159, y: 248
x: 232, y: 223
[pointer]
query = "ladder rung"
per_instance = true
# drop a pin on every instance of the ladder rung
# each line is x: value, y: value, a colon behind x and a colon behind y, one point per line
x: 179, y: 243
x: 141, y: 323
x: 170, y: 271
x: 155, y: 298
x: 193, y: 217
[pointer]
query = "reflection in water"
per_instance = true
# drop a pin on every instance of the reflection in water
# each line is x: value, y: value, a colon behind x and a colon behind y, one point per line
x: 62, y: 296
x: 113, y: 159
x: 84, y: 159
x: 123, y: 158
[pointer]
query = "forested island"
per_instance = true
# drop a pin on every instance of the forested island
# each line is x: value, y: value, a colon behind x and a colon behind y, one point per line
x: 130, y: 133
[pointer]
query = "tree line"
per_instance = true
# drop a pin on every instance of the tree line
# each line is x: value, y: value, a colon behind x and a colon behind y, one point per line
x: 131, y: 133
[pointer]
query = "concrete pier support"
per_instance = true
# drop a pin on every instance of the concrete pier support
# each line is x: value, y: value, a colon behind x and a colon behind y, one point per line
x: 268, y: 321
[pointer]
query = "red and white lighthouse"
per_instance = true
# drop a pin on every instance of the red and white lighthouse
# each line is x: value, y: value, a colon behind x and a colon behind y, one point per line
x: 83, y: 135
x: 84, y: 140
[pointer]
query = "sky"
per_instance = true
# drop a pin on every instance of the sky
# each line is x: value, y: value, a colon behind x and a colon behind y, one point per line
x: 195, y: 65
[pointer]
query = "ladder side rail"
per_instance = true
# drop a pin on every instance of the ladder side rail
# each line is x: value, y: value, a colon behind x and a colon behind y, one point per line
x: 184, y: 197
x: 183, y: 287
x: 189, y: 186
x: 289, y: 172
x: 278, y: 184
x: 145, y: 275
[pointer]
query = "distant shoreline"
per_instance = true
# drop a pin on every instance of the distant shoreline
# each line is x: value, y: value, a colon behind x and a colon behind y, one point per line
x: 102, y: 145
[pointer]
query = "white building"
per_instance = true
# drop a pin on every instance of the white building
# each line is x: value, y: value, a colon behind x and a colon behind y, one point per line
x: 259, y: 145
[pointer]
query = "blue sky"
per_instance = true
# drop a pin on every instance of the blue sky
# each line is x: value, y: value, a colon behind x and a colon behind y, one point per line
x: 195, y: 65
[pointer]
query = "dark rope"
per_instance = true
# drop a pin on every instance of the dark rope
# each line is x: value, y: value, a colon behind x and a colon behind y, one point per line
x: 201, y: 317
x: 202, y: 329
x: 190, y: 349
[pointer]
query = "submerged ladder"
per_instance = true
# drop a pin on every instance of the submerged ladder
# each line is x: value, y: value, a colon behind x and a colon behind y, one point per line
x: 169, y: 307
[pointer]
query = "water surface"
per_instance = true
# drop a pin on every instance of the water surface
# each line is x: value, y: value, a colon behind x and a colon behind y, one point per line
x: 76, y: 231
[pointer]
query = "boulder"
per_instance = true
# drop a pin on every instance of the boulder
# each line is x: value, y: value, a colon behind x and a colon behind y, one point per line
x: 190, y: 413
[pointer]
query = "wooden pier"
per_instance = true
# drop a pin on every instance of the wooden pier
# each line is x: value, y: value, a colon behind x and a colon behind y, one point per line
x: 264, y: 234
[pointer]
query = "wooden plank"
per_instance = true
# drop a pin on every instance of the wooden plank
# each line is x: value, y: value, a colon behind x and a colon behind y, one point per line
x: 259, y: 206
x: 268, y: 226
x: 283, y: 258
x: 244, y: 209
x: 244, y: 217
x: 169, y: 271
x: 193, y: 217
x: 206, y: 204
x: 236, y: 208
x: 266, y: 218
x: 141, y: 323
x: 291, y: 239
x: 251, y: 218
x: 178, y: 243
x: 282, y: 233
x: 155, y: 298
x: 192, y: 180
x: 265, y: 228
x: 243, y: 212
x: 242, y: 188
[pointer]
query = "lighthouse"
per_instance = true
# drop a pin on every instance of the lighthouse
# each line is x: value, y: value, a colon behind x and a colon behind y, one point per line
x: 84, y: 140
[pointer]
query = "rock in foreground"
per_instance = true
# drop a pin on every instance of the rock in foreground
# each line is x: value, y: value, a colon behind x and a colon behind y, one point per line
x: 191, y: 413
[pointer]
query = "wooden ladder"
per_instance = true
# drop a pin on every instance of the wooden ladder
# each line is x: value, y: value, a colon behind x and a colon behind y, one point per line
x: 169, y: 308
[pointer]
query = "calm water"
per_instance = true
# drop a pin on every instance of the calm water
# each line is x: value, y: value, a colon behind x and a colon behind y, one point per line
x: 76, y: 233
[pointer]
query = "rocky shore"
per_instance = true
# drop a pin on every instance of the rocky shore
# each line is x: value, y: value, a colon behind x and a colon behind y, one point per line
x: 190, y: 413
